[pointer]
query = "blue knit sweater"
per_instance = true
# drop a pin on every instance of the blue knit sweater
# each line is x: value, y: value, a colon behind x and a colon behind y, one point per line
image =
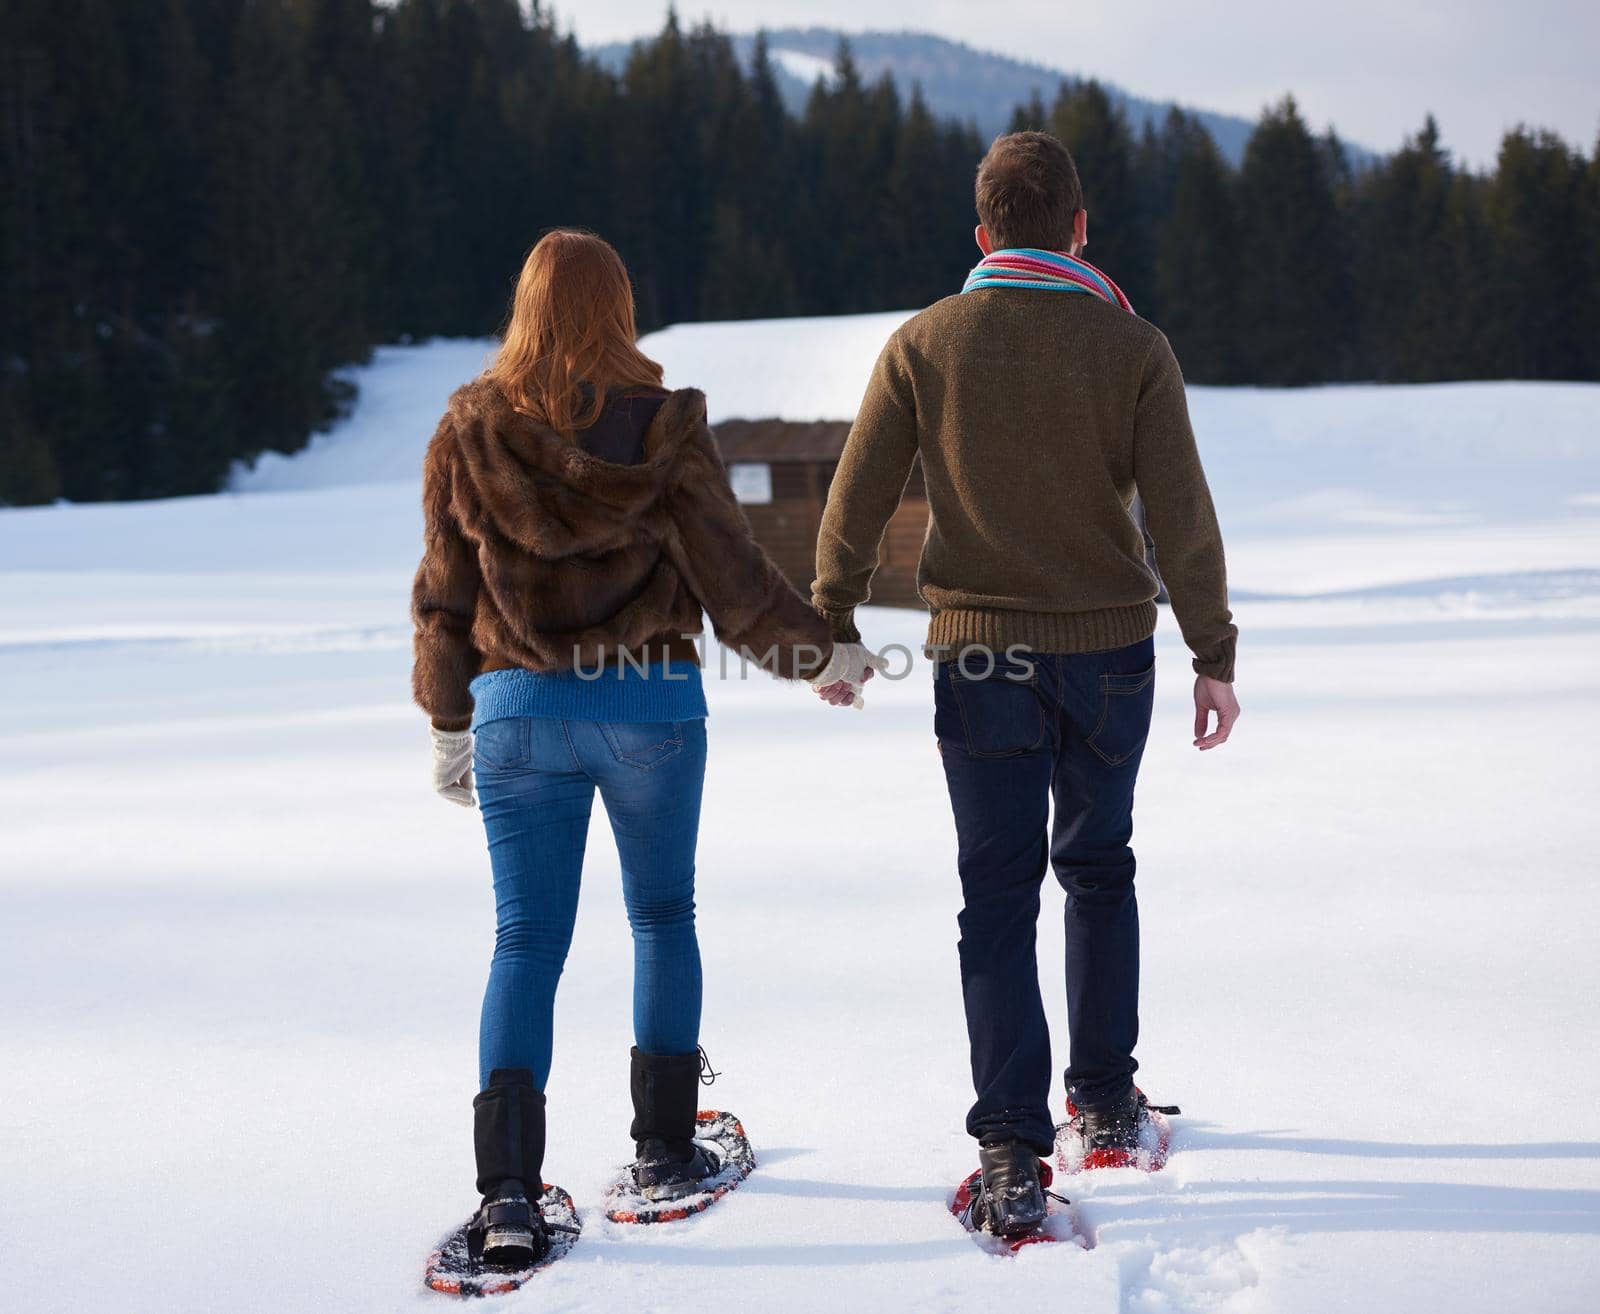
x: 662, y: 691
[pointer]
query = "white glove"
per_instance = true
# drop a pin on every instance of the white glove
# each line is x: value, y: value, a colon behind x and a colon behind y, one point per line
x: 452, y: 766
x: 849, y: 662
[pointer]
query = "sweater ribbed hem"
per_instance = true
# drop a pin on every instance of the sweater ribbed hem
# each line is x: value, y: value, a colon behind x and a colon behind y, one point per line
x: 1041, y: 631
x: 661, y: 692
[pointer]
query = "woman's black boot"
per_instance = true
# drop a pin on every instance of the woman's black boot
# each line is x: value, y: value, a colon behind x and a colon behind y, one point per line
x: 508, y: 1230
x: 666, y: 1097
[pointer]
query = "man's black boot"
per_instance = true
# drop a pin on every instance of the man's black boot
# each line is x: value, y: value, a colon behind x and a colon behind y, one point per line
x: 666, y: 1096
x: 1013, y: 1197
x: 508, y: 1230
x: 1115, y: 1126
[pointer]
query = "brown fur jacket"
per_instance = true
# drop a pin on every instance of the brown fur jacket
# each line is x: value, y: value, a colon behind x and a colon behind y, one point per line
x: 539, y: 555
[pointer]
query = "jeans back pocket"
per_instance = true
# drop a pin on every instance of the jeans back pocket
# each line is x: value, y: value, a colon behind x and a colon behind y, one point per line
x: 1126, y: 702
x: 643, y: 744
x: 501, y: 744
x: 997, y: 713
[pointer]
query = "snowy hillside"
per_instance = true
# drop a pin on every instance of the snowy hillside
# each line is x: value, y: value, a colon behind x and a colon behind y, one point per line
x: 242, y: 945
x: 1450, y: 459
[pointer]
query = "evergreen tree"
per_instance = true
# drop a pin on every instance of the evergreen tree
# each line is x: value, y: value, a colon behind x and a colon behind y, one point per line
x: 961, y: 148
x: 74, y: 166
x: 568, y: 113
x: 462, y: 211
x: 1411, y: 284
x: 922, y: 232
x: 1198, y: 261
x: 1534, y: 213
x: 743, y: 279
x: 105, y: 319
x: 345, y: 75
x: 1589, y: 266
x: 768, y: 191
x: 1157, y: 163
x: 1470, y: 349
x: 1096, y: 132
x: 37, y: 183
x: 747, y: 271
x: 880, y: 223
x: 665, y: 224
x: 1031, y: 115
x: 728, y: 136
x: 280, y: 245
x: 1293, y: 281
x: 846, y: 151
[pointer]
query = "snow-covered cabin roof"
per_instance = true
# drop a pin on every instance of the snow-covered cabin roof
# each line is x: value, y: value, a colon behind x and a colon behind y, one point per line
x: 785, y: 369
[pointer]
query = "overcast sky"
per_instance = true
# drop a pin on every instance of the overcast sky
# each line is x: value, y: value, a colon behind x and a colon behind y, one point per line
x: 1372, y: 68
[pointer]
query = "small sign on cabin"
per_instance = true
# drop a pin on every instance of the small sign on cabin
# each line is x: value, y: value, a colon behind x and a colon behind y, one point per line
x: 752, y: 482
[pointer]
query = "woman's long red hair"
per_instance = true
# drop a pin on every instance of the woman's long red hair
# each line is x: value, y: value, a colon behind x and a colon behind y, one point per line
x: 571, y: 325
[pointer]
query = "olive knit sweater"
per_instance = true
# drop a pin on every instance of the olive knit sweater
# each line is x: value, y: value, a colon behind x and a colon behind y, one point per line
x: 1037, y: 417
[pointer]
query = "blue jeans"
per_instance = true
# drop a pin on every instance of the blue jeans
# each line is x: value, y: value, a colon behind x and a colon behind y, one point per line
x: 536, y: 781
x: 1071, y: 731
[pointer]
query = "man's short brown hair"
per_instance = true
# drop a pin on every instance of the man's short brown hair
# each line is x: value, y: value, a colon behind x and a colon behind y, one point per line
x: 1028, y: 192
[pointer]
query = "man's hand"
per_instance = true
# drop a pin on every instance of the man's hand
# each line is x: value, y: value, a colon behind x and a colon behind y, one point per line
x: 1213, y: 696
x: 848, y: 668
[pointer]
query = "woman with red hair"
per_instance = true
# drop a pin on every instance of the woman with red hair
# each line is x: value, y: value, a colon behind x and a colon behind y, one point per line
x: 578, y: 521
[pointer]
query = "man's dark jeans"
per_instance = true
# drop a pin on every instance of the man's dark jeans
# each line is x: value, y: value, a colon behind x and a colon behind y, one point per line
x: 1031, y: 728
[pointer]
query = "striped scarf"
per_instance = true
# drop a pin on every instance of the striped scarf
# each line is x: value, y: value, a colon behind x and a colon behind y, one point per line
x: 1026, y: 266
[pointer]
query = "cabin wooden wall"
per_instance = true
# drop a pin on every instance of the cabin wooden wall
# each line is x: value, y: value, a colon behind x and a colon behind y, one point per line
x: 787, y: 527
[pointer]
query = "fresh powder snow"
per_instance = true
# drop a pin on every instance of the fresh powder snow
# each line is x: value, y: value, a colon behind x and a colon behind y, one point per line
x: 243, y: 945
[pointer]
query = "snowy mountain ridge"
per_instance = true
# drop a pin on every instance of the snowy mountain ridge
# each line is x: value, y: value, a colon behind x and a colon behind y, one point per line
x: 957, y: 80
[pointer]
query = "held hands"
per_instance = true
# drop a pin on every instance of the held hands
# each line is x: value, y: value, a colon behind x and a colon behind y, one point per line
x: 849, y: 667
x: 452, y: 766
x: 1213, y: 696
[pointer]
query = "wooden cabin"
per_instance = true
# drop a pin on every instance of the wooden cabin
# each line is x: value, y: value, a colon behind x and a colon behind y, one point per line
x: 781, y: 469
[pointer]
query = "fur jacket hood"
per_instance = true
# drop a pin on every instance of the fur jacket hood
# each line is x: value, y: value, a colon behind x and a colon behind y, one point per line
x: 540, y: 555
x: 521, y: 480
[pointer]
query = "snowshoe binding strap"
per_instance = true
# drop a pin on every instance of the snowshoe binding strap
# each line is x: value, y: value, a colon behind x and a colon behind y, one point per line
x: 508, y: 1230
x: 659, y: 1174
x: 1171, y: 1110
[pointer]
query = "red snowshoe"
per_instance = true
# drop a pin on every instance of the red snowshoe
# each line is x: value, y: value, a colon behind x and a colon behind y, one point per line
x: 457, y: 1267
x: 1060, y: 1221
x: 1135, y: 1134
x: 722, y: 1137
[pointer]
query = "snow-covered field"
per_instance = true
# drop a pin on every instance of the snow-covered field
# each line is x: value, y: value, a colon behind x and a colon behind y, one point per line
x: 241, y: 944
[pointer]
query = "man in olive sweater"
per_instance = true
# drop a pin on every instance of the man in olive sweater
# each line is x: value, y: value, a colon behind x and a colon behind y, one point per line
x: 1039, y: 406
